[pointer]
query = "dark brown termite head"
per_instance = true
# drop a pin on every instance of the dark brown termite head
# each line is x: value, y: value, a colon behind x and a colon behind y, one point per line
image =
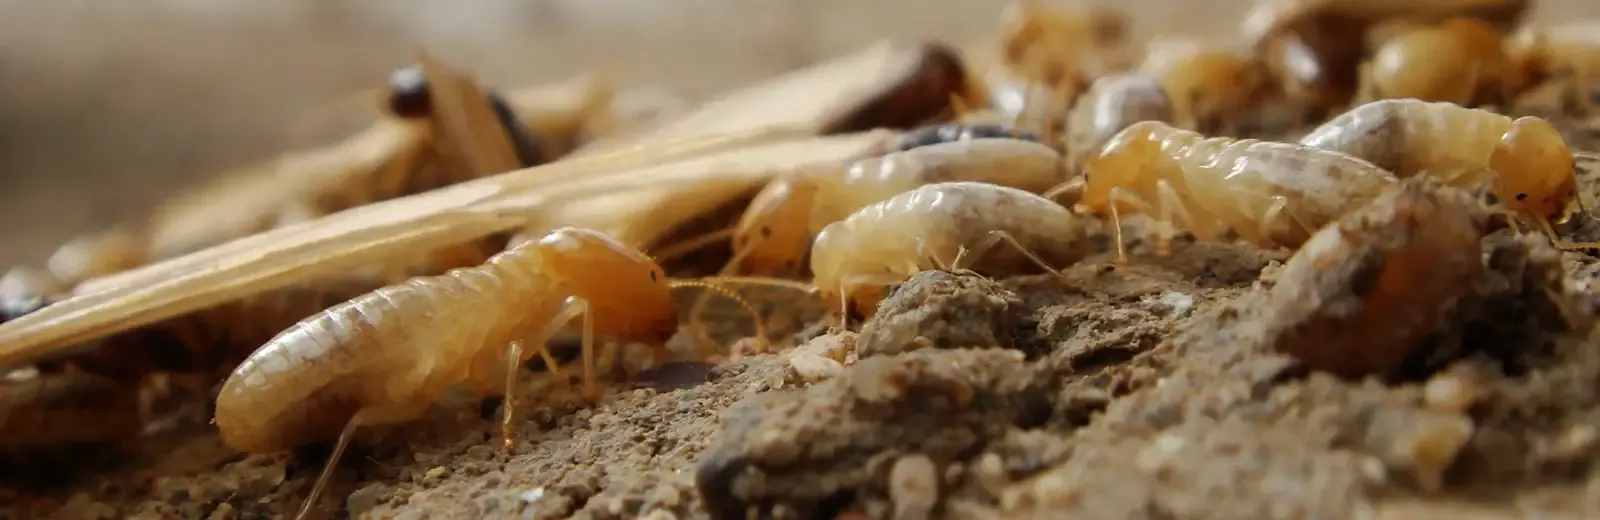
x: 408, y: 93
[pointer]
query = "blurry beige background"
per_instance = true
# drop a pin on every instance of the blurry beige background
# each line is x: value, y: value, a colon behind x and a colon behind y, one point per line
x: 107, y: 105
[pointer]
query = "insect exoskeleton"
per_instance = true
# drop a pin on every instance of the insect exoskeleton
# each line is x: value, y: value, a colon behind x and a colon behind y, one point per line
x: 388, y: 355
x: 784, y: 217
x: 1048, y: 55
x: 1525, y: 160
x: 1460, y: 60
x: 1113, y: 103
x: 989, y: 228
x: 1207, y: 84
x: 1270, y: 193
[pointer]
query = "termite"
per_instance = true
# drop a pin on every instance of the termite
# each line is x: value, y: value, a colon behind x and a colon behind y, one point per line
x: 1525, y: 161
x: 1113, y: 103
x: 387, y: 356
x: 773, y: 233
x: 1460, y: 60
x: 1315, y: 47
x: 441, y: 129
x: 1051, y: 53
x: 950, y: 225
x: 1207, y: 85
x: 1270, y: 193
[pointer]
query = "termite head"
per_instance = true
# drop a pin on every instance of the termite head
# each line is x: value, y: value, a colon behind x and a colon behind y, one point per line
x: 1537, y: 176
x: 838, y: 259
x: 773, y: 234
x: 1121, y: 163
x: 409, y: 96
x: 627, y: 292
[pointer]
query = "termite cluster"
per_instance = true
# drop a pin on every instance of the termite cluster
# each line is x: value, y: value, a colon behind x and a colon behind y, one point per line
x: 379, y: 287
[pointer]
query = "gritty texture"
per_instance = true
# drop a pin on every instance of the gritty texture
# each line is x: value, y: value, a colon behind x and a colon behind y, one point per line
x: 1144, y: 390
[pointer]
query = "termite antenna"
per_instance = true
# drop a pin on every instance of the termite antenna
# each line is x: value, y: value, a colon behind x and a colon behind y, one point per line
x: 1072, y: 188
x: 693, y: 244
x: 700, y: 329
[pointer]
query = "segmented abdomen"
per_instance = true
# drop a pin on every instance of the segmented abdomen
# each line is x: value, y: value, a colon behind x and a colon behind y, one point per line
x: 390, y: 346
x: 1408, y: 136
x: 1017, y: 163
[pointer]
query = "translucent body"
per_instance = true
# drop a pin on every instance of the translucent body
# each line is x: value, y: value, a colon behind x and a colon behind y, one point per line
x: 930, y: 227
x: 1272, y: 194
x: 1204, y: 83
x: 1570, y: 50
x: 1525, y: 160
x: 392, y: 352
x: 1016, y: 163
x: 826, y: 195
x: 1113, y: 103
x: 1460, y: 60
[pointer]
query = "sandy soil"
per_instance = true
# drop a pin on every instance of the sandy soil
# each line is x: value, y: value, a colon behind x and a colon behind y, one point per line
x: 1151, y: 389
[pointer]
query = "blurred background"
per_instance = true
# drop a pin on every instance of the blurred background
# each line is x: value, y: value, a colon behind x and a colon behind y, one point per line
x: 108, y: 105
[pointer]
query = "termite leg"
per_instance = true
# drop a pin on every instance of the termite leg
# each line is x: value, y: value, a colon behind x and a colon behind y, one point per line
x: 997, y: 237
x: 365, y: 417
x: 1279, y: 209
x: 1072, y: 187
x: 1565, y: 246
x: 694, y: 316
x: 860, y: 280
x: 589, y: 390
x: 1120, y: 195
x: 540, y: 341
x: 702, y: 338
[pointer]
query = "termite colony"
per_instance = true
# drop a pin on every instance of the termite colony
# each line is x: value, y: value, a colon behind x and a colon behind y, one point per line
x: 351, y: 287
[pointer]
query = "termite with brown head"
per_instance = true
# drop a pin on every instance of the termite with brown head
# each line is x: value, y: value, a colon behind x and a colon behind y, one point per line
x: 387, y: 356
x: 1272, y: 194
x: 1208, y: 86
x: 1525, y: 161
x: 1460, y: 60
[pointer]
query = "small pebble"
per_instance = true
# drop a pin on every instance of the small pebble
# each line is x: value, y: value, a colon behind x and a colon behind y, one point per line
x: 913, y: 487
x: 807, y: 368
x: 435, y: 473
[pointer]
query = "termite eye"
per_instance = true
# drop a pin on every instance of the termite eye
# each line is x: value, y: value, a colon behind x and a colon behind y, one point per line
x: 408, y: 93
x: 1522, y: 196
